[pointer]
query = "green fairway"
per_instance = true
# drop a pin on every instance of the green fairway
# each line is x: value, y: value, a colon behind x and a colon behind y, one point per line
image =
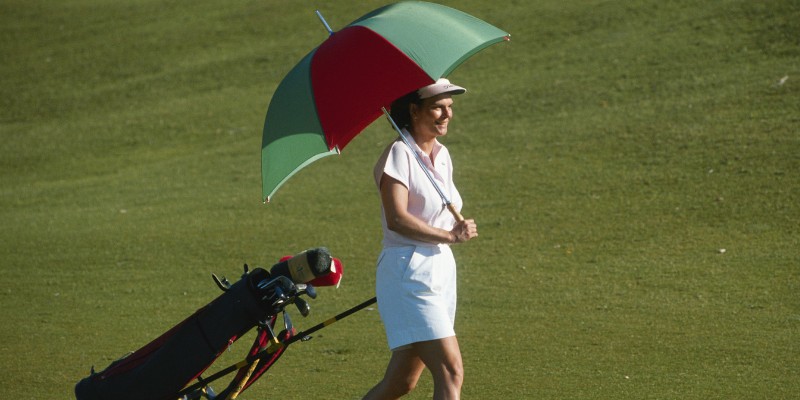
x: 633, y: 167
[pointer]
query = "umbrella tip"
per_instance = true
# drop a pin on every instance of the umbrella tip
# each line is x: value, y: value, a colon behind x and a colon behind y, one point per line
x: 507, y: 38
x: 325, y: 23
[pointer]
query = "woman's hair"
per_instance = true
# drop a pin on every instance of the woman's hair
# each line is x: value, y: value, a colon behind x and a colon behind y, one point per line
x: 399, y: 110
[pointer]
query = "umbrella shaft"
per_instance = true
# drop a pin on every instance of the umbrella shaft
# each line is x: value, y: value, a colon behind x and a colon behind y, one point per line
x: 444, y: 197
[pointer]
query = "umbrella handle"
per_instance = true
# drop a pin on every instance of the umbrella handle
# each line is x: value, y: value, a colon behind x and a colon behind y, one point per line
x: 455, y: 212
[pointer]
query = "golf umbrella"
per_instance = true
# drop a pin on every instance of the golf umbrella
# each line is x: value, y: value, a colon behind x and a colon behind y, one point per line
x: 340, y: 87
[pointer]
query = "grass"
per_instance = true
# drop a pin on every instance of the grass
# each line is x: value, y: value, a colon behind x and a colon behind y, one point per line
x: 609, y: 153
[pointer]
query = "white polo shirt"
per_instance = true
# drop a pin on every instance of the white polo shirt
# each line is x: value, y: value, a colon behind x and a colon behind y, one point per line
x: 424, y: 202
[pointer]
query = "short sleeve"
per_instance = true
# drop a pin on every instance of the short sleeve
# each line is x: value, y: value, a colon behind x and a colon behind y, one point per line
x: 394, y: 162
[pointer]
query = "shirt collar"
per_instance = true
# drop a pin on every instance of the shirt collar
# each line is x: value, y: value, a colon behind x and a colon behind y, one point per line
x: 436, y: 146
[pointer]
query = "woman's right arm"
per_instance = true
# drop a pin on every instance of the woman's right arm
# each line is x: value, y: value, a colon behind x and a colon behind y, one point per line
x: 394, y: 196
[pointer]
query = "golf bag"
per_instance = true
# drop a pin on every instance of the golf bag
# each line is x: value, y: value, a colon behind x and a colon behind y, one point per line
x: 166, y: 365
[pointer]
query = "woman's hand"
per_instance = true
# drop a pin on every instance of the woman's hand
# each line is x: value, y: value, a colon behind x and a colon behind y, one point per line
x: 464, y: 231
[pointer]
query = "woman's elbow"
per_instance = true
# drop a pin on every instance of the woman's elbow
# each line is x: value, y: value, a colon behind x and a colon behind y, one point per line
x: 397, y: 222
x: 394, y: 224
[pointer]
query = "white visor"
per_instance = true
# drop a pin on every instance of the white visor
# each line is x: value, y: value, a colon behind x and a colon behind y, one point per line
x: 441, y: 86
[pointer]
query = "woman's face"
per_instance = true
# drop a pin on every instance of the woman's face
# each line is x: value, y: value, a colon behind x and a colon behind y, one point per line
x: 432, y: 116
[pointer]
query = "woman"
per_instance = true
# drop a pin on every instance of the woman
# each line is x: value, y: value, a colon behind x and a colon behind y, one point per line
x: 416, y: 274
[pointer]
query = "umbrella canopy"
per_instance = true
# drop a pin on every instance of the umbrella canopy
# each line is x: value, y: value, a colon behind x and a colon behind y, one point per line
x: 339, y: 88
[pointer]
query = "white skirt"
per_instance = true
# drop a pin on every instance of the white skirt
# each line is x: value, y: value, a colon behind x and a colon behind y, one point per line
x: 416, y: 290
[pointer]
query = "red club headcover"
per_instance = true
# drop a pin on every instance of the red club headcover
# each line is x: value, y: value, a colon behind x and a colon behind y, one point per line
x: 334, y: 278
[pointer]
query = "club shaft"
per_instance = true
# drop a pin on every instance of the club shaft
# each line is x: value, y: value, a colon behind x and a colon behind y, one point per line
x: 305, y: 333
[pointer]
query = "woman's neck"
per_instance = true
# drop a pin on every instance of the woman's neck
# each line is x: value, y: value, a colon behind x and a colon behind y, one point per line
x: 424, y: 142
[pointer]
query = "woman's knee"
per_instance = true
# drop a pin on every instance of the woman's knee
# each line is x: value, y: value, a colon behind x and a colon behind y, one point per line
x: 456, y: 370
x: 443, y: 359
x: 453, y: 374
x: 400, y: 387
x: 402, y: 374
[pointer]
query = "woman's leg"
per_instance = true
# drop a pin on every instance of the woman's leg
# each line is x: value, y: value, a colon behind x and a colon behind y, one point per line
x: 400, y: 378
x: 443, y: 359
